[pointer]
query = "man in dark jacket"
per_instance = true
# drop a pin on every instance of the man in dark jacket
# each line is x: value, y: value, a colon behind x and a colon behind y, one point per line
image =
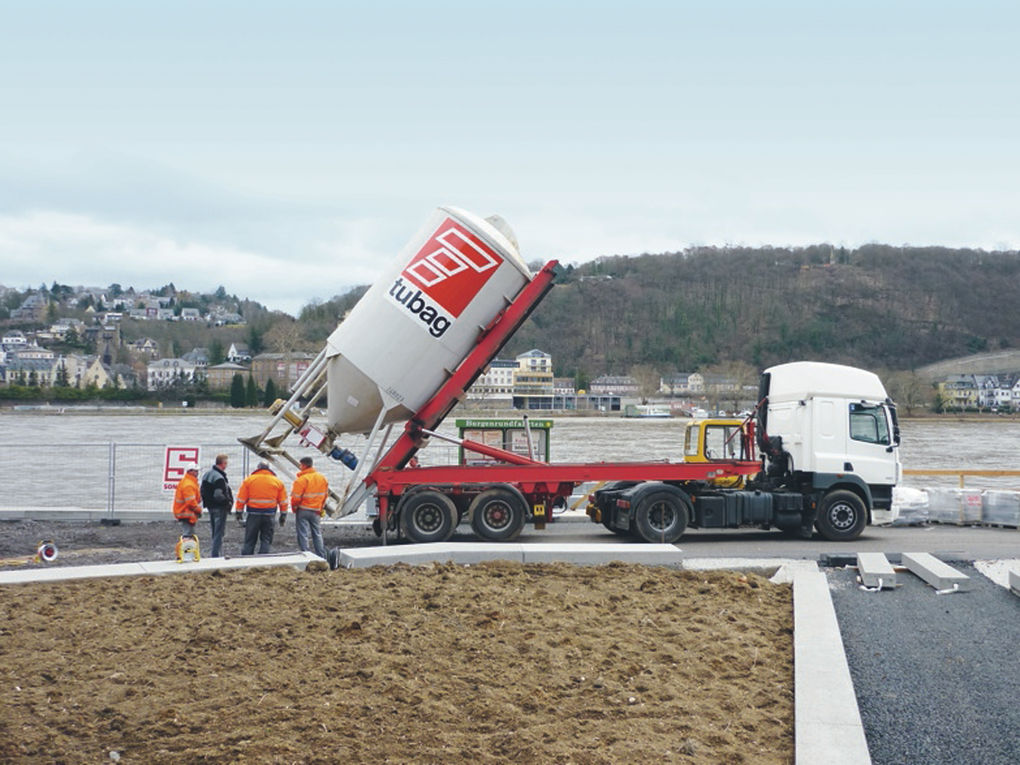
x: 217, y: 499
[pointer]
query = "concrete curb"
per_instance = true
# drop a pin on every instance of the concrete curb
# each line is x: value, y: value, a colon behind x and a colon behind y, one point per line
x: 155, y: 568
x: 827, y: 722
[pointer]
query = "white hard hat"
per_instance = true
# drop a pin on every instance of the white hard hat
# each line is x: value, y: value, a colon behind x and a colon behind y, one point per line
x: 189, y: 466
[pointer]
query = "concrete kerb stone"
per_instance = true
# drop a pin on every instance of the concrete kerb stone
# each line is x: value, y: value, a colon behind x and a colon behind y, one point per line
x: 299, y: 561
x: 827, y: 721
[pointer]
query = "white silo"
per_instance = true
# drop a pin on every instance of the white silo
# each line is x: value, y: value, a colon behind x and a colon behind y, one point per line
x: 420, y: 319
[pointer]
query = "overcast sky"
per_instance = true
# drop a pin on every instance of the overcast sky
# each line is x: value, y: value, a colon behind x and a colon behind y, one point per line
x: 287, y: 150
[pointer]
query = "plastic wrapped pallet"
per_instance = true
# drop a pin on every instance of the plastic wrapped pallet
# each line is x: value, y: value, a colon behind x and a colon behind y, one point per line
x: 910, y: 506
x: 958, y: 506
x: 1001, y: 507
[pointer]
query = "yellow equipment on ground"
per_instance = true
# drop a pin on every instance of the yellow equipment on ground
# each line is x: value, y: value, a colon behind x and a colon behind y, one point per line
x: 187, y: 549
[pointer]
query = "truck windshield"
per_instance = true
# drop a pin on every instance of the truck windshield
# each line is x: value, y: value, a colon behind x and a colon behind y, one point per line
x: 868, y: 423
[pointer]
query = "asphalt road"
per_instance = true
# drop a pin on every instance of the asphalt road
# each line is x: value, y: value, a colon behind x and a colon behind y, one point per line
x: 943, y: 541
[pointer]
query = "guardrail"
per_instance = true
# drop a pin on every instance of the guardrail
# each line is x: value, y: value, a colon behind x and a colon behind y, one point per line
x: 963, y: 473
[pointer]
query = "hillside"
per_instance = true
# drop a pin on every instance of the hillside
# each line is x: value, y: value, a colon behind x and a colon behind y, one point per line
x: 881, y: 307
x: 876, y: 306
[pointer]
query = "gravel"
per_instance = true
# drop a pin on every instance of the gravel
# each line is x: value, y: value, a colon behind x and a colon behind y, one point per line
x: 936, y: 676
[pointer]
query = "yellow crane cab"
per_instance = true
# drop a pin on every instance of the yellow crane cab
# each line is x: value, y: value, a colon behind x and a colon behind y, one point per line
x: 716, y: 439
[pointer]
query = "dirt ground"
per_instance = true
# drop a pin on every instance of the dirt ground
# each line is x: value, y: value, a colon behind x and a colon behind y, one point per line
x: 497, y: 662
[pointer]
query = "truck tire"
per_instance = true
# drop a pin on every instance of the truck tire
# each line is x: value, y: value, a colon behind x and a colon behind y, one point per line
x: 497, y: 514
x: 661, y: 516
x: 427, y: 516
x: 842, y: 516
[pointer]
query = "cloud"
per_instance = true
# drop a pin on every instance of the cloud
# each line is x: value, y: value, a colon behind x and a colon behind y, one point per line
x: 43, y: 246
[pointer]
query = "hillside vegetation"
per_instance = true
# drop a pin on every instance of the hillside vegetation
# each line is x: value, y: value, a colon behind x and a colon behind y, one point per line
x: 876, y: 306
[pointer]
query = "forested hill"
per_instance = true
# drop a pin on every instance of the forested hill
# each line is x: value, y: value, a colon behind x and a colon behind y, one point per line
x: 876, y: 306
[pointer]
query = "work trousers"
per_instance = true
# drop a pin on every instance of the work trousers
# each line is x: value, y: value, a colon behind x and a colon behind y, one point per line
x: 258, y: 527
x: 218, y: 524
x: 307, y: 524
x: 187, y: 527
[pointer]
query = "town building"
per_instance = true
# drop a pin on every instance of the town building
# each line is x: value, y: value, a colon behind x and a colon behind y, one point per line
x: 221, y: 376
x: 165, y: 373
x: 283, y: 368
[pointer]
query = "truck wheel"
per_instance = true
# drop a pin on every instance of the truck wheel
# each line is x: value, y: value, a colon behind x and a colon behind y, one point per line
x: 841, y: 516
x: 427, y: 516
x: 497, y: 515
x: 661, y: 517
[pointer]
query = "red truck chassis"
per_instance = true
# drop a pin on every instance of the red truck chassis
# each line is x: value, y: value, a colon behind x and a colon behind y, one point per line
x: 430, y: 501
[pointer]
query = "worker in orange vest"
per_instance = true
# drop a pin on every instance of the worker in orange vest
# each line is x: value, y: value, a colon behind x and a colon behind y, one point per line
x: 261, y: 494
x: 308, y: 501
x: 187, y: 507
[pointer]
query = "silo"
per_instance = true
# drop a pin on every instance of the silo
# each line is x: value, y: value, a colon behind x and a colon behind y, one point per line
x: 420, y: 319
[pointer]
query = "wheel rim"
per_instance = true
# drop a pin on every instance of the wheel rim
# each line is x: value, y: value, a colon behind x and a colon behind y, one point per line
x: 428, y: 517
x: 496, y: 515
x: 662, y: 516
x: 842, y: 516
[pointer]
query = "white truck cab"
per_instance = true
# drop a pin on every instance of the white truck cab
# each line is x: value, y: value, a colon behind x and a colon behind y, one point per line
x: 828, y: 428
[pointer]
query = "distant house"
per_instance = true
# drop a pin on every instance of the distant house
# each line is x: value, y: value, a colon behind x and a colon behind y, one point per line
x: 959, y: 391
x: 496, y: 382
x: 238, y: 353
x: 283, y: 369
x: 145, y: 346
x: 618, y: 385
x: 41, y: 372
x: 675, y: 385
x: 535, y: 361
x: 12, y: 338
x: 164, y: 373
x: 564, y: 386
x: 190, y: 314
x: 101, y: 376
x: 221, y: 376
x: 197, y: 356
x: 32, y: 308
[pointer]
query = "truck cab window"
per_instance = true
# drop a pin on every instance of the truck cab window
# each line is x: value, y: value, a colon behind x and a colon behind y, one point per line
x: 868, y: 423
x: 722, y: 442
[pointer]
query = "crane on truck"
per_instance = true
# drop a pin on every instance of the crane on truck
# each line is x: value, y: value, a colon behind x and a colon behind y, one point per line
x: 819, y: 452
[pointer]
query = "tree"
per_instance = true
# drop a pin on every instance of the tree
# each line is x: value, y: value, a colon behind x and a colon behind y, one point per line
x: 251, y: 394
x: 217, y: 355
x: 270, y: 393
x: 237, y: 391
x: 647, y: 378
x: 255, y: 343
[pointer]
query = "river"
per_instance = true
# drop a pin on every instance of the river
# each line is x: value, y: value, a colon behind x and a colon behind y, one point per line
x: 71, y: 453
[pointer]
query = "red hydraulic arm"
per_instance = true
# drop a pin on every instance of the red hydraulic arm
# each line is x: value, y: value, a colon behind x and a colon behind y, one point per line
x: 492, y: 339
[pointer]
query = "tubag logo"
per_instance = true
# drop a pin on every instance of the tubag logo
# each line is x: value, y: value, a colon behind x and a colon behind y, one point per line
x: 444, y: 276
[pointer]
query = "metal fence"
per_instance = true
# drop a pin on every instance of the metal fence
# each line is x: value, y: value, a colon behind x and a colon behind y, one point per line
x: 99, y: 479
x: 125, y: 480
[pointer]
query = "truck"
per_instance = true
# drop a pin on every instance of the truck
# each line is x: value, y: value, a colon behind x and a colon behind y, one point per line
x: 819, y: 451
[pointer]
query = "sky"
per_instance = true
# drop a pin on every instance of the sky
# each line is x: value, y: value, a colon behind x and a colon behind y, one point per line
x: 288, y: 150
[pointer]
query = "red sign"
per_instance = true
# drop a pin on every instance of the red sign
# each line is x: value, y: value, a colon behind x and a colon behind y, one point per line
x: 452, y: 267
x: 173, y: 464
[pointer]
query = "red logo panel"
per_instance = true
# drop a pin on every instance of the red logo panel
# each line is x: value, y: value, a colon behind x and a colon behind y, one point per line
x: 452, y: 267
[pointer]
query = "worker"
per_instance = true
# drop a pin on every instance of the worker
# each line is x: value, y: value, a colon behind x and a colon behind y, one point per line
x: 217, y: 498
x: 186, y: 500
x: 261, y: 493
x: 308, y: 501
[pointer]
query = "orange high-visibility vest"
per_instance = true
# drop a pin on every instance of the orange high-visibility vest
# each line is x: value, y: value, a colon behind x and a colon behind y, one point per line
x: 261, y: 492
x: 309, y: 491
x: 186, y: 499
